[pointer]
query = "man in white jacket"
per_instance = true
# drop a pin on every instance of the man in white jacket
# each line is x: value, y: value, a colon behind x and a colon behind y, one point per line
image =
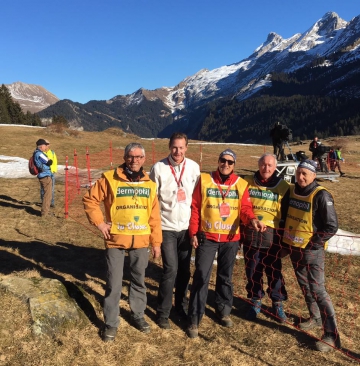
x: 176, y: 177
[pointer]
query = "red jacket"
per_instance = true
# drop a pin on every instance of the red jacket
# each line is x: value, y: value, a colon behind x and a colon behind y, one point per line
x: 246, y: 210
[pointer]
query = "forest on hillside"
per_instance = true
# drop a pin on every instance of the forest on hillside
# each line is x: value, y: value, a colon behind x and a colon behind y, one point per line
x: 11, y: 112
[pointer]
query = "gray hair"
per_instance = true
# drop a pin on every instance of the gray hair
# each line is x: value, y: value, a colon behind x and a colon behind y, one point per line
x: 263, y: 156
x: 133, y: 146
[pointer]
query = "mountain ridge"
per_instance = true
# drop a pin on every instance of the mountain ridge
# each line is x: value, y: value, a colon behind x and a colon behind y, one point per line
x: 330, y: 43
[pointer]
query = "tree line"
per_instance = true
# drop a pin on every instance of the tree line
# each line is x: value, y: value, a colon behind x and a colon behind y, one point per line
x: 11, y: 112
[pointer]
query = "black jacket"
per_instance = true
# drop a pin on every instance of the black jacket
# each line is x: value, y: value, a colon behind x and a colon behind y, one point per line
x: 325, y: 222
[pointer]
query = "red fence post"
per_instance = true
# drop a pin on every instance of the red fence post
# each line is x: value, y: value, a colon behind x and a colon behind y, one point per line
x: 88, y: 165
x: 76, y: 171
x: 66, y: 213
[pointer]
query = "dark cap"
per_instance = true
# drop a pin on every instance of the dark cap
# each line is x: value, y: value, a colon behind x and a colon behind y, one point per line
x: 308, y: 164
x: 228, y: 152
x: 41, y: 142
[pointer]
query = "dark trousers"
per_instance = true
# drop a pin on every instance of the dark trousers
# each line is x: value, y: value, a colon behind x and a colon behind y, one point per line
x: 258, y: 260
x: 137, y: 293
x: 176, y: 256
x: 204, y: 259
x: 309, y: 268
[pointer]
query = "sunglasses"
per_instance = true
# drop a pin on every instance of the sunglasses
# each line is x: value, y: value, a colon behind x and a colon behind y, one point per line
x: 223, y: 161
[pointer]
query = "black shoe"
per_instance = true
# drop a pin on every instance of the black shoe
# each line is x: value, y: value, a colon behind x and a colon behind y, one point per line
x: 192, y: 331
x: 342, y: 174
x: 311, y: 323
x: 109, y: 334
x: 226, y: 321
x: 328, y: 342
x: 163, y: 323
x: 141, y: 324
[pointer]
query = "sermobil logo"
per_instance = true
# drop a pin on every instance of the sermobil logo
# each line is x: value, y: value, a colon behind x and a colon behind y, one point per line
x: 214, y: 192
x: 131, y: 192
x: 300, y: 205
x: 262, y: 194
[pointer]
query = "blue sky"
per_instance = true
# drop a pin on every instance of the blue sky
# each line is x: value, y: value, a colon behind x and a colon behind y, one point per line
x: 86, y: 49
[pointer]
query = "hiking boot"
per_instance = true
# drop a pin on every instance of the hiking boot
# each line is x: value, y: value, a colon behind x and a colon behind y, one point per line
x: 342, y: 174
x: 279, y: 312
x: 109, y: 334
x: 226, y: 321
x: 142, y: 325
x: 331, y: 340
x: 192, y: 331
x: 311, y: 323
x: 254, y: 310
x: 163, y: 323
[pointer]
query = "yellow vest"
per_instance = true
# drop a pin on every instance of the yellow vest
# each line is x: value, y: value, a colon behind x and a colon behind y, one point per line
x: 267, y: 201
x: 51, y: 155
x: 299, y: 220
x: 132, y: 205
x: 211, y: 221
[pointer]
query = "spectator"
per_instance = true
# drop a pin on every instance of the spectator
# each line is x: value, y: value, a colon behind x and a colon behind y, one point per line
x: 338, y: 159
x: 52, y: 156
x: 276, y: 134
x: 43, y: 163
x: 262, y: 249
x: 132, y: 222
x: 314, y: 144
x: 219, y: 201
x: 175, y: 177
x: 310, y: 222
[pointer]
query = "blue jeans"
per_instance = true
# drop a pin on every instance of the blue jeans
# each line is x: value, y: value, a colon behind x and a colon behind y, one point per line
x: 176, y: 256
x: 53, y: 191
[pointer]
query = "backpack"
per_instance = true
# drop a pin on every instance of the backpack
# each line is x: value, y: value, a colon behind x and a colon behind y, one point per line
x: 33, y: 169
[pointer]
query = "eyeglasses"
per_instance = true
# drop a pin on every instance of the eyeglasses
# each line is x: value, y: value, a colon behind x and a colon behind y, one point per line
x: 223, y: 161
x: 131, y: 157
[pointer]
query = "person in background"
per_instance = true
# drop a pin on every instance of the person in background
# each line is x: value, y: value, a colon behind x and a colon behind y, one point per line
x: 338, y: 160
x: 219, y: 201
x: 52, y: 156
x: 262, y: 249
x: 132, y: 222
x: 43, y: 163
x: 314, y: 144
x: 311, y: 221
x: 175, y: 177
x: 277, y: 141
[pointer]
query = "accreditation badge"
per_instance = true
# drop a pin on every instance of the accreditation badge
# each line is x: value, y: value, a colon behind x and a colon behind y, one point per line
x: 224, y: 209
x: 181, y: 195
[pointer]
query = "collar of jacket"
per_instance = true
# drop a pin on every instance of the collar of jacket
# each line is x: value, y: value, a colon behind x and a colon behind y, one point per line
x: 271, y: 182
x: 173, y: 162
x: 119, y: 173
x: 306, y: 190
x: 231, y: 179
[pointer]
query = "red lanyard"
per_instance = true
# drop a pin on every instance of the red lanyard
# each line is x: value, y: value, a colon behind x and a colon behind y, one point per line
x: 178, y: 181
x: 221, y: 191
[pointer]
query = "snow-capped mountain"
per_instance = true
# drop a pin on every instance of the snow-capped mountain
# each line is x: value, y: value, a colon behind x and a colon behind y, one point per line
x: 330, y: 43
x: 33, y: 98
x: 328, y: 35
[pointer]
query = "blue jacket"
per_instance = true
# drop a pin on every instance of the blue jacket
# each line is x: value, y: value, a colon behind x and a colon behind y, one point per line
x: 40, y: 160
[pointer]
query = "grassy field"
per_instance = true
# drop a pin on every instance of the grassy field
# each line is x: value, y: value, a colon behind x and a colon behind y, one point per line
x: 72, y: 251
